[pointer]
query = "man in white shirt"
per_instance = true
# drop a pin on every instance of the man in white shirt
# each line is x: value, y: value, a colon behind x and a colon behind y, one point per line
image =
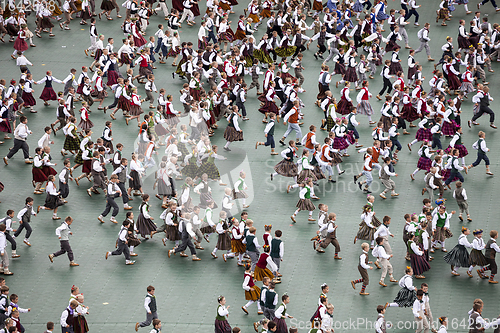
x: 20, y: 135
x: 419, y: 313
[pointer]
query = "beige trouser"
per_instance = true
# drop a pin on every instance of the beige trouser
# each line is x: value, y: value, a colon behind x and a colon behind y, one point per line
x: 422, y: 324
x: 386, y: 245
x: 429, y: 315
x: 386, y: 266
x: 5, y: 259
x: 163, y: 7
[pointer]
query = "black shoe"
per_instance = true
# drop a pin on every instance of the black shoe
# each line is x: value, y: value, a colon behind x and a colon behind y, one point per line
x: 173, y: 75
x: 341, y: 172
x: 316, y: 56
x: 227, y: 149
x: 332, y: 181
x: 282, y: 143
x: 321, y: 56
x: 298, y: 144
x: 272, y: 177
x: 367, y: 191
x: 355, y: 179
x: 359, y: 185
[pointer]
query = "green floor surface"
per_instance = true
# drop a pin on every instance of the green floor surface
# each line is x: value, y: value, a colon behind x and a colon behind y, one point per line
x: 187, y: 291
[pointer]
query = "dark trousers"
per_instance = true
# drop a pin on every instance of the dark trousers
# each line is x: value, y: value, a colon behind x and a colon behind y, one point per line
x: 186, y: 242
x: 368, y: 5
x: 241, y: 107
x: 387, y: 85
x: 122, y: 188
x: 11, y: 240
x: 164, y: 50
x: 355, y: 133
x: 62, y: 123
x: 158, y: 44
x: 481, y: 157
x: 110, y: 203
x: 401, y: 123
x: 115, y: 103
x: 211, y: 36
x: 24, y: 225
x: 149, y: 319
x: 65, y: 248
x: 270, y: 141
x: 397, y: 144
x: 436, y: 142
x: 322, y: 49
x: 122, y: 248
x: 64, y: 189
x: 454, y: 174
x: 410, y: 13
x: 19, y: 144
x: 299, y: 49
x: 403, y: 6
x: 67, y: 329
x: 493, y: 2
x: 482, y: 110
x: 493, y: 265
x: 274, y: 54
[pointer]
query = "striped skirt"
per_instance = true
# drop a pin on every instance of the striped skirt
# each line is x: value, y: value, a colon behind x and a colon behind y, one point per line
x: 405, y: 298
x: 340, y: 143
x: 424, y: 163
x: 286, y: 168
x: 305, y: 204
x: 365, y: 108
x: 462, y: 150
x: 477, y: 257
x: 419, y: 264
x: 458, y: 256
x: 423, y: 134
x: 365, y: 232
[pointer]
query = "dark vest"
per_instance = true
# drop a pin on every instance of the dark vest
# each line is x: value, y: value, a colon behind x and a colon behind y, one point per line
x: 489, y: 252
x: 271, y: 131
x: 269, y: 303
x: 152, y: 304
x: 275, y: 248
x: 250, y: 245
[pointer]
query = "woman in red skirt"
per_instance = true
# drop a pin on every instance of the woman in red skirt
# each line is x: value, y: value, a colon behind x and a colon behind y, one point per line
x: 48, y: 93
x: 29, y: 100
x: 269, y: 105
x: 20, y: 44
x: 281, y: 313
x: 221, y: 324
x: 135, y: 107
x: 453, y: 81
x: 195, y: 86
x: 85, y: 122
x: 344, y: 106
x: 39, y: 177
x: 139, y: 40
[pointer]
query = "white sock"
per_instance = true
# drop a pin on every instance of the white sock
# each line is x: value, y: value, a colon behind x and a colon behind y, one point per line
x: 415, y: 172
x: 244, y: 201
x: 310, y: 213
x: 294, y: 186
x: 248, y: 304
x: 470, y: 268
x: 296, y: 212
x: 369, y: 118
x: 338, y: 168
x: 131, y: 248
x: 240, y: 257
x: 466, y: 7
x: 227, y: 144
x: 229, y: 254
x: 395, y: 305
x: 215, y: 251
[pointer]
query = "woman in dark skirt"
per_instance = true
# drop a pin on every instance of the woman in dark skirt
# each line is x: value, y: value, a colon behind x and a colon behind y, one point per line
x: 208, y: 166
x: 366, y: 227
x: 135, y: 170
x: 106, y: 7
x: 72, y: 141
x: 163, y: 184
x: 132, y: 240
x: 52, y: 200
x: 20, y: 44
x: 407, y: 294
x: 281, y: 314
x: 221, y: 324
x: 456, y: 143
x: 27, y: 94
x: 476, y: 256
x: 419, y: 263
x: 463, y: 38
x: 287, y: 167
x: 205, y: 193
x: 459, y: 256
x: 80, y: 322
x: 318, y: 173
x: 144, y: 222
x: 233, y: 131
x: 191, y: 168
x: 224, y: 238
x: 339, y: 64
x: 345, y: 103
x: 350, y: 73
x: 395, y: 67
